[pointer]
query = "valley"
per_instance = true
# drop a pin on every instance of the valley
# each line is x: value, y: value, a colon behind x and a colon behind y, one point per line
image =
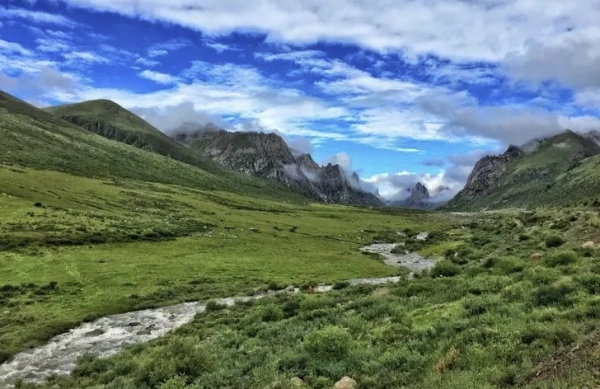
x: 99, y: 225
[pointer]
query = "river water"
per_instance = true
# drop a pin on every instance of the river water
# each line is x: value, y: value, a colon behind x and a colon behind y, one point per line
x: 110, y: 334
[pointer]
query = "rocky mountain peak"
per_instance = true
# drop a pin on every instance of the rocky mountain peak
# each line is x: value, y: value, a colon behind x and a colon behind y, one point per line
x: 268, y: 156
x: 419, y: 196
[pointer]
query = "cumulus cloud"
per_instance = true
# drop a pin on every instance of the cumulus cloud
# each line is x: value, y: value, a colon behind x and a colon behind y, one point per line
x: 301, y: 145
x: 343, y: 159
x: 170, y: 117
x: 449, y: 28
x: 35, y: 16
x: 572, y: 63
x: 158, y: 77
x: 42, y: 83
x: 507, y: 124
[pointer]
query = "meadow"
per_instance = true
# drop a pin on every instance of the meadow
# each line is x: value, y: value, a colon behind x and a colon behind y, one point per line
x: 490, y: 314
x: 75, y: 248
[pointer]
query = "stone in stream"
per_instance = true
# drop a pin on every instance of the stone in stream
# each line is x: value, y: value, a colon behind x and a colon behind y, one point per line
x: 110, y: 334
x: 96, y: 332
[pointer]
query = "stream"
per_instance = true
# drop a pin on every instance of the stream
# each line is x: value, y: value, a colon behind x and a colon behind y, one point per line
x: 110, y: 334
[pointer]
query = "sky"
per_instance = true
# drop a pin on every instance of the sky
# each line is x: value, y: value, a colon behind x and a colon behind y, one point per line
x: 398, y: 90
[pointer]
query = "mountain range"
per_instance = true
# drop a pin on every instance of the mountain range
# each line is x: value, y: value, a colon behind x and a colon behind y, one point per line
x: 102, y: 139
x: 261, y: 155
x: 267, y: 155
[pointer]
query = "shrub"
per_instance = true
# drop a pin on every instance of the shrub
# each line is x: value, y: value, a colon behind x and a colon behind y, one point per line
x: 554, y: 241
x: 341, y: 285
x: 552, y: 295
x: 330, y: 342
x: 270, y: 312
x: 561, y: 259
x: 445, y: 268
x: 523, y: 238
x: 182, y: 356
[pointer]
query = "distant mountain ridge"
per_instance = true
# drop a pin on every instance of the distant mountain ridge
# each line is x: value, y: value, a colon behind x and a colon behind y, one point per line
x: 268, y: 156
x: 537, y: 173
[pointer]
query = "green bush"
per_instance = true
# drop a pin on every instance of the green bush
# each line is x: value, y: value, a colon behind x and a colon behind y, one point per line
x: 561, y: 259
x: 330, y: 342
x: 524, y: 237
x: 341, y: 285
x: 181, y: 356
x: 554, y: 241
x: 270, y: 312
x: 445, y: 268
x: 552, y: 295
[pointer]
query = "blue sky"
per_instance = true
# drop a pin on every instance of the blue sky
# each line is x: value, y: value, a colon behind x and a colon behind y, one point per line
x: 400, y: 91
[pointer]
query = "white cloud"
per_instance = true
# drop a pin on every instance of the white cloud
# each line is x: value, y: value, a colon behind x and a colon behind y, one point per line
x: 167, y: 118
x: 153, y: 53
x: 573, y: 63
x: 158, y: 77
x: 13, y: 47
x: 84, y: 56
x: 51, y: 45
x: 35, y: 16
x: 509, y: 124
x: 146, y: 62
x: 449, y: 28
x: 342, y: 159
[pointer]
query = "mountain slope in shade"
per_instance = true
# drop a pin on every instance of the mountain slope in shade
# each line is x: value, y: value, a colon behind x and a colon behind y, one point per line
x: 539, y: 175
x: 268, y: 156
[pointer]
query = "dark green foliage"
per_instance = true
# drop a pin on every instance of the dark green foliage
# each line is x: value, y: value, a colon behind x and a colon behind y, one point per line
x: 445, y: 268
x: 552, y: 295
x: 561, y: 259
x: 554, y: 241
x: 329, y: 343
x: 341, y: 285
x: 213, y: 305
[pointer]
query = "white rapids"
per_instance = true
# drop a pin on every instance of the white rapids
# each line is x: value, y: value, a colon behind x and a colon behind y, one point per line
x: 110, y: 334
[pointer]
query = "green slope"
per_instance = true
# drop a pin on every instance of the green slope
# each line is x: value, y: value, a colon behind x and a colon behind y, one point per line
x: 563, y: 170
x: 34, y: 138
x: 112, y: 121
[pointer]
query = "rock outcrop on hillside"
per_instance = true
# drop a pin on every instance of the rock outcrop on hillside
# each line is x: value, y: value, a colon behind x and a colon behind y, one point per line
x: 268, y: 156
x: 487, y: 170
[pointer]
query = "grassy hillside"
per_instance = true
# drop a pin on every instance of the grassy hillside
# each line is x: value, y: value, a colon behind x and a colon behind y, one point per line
x: 561, y: 171
x: 33, y: 138
x: 110, y: 120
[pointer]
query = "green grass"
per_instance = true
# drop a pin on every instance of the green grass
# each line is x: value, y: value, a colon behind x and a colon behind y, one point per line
x: 486, y: 316
x: 116, y: 246
x: 489, y: 325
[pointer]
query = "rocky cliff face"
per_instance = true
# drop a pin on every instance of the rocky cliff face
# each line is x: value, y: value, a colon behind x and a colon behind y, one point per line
x: 268, y: 156
x: 488, y: 170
